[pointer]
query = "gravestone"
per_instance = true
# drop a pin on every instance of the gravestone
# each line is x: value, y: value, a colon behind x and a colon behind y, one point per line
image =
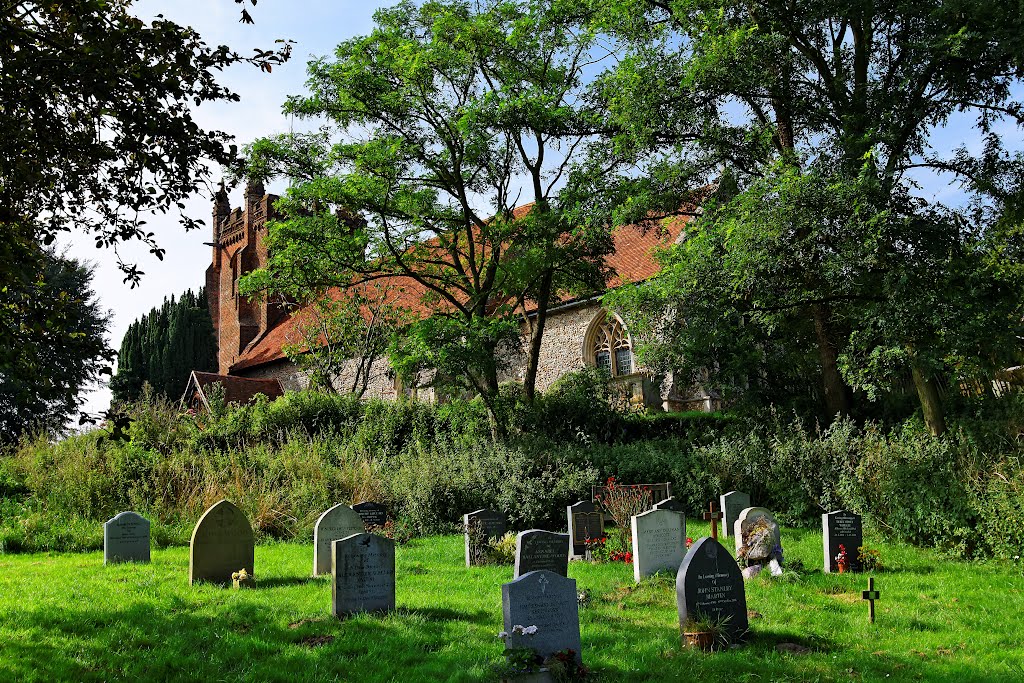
x: 372, y: 514
x: 489, y: 524
x: 670, y: 503
x: 339, y: 522
x: 846, y: 529
x: 748, y: 517
x: 732, y: 504
x: 549, y: 602
x: 536, y: 550
x: 710, y: 583
x: 659, y: 542
x: 362, y: 574
x: 585, y: 521
x: 126, y: 538
x: 222, y: 543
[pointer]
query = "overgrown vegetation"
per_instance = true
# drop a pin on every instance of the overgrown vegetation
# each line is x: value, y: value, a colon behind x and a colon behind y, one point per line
x: 286, y: 461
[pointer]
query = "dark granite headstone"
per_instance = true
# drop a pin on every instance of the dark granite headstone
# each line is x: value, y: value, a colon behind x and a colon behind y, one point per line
x: 537, y: 549
x: 126, y: 538
x: 732, y: 504
x: 670, y: 503
x: 549, y: 602
x: 585, y: 521
x: 373, y: 514
x: 362, y: 574
x: 709, y: 583
x: 489, y: 524
x: 846, y: 529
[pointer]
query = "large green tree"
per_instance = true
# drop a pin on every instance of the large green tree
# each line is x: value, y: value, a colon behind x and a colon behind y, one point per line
x: 443, y: 121
x: 55, y: 346
x: 825, y: 115
x: 164, y: 346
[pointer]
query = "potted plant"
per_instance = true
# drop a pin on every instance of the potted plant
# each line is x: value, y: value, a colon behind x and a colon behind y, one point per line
x: 706, y: 632
x: 842, y: 561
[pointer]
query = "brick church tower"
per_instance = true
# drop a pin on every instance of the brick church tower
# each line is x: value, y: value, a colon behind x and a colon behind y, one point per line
x: 239, y: 248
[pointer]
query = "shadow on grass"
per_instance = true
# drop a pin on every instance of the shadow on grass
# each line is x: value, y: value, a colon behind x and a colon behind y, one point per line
x: 445, y: 614
x: 278, y: 581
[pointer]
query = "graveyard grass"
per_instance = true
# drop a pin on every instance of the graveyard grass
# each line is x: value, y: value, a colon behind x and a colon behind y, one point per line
x: 67, y: 617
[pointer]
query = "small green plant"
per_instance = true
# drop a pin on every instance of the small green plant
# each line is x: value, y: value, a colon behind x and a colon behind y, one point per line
x: 502, y: 550
x: 399, y: 531
x: 870, y: 559
x: 714, y: 629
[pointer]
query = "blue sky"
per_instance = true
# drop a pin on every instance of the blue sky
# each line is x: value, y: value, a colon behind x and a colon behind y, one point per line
x: 316, y: 26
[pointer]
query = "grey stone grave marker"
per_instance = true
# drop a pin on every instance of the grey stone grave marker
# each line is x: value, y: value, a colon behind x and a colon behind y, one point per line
x: 491, y: 524
x: 585, y: 521
x: 362, y: 574
x: 709, y: 583
x: 549, y: 602
x: 222, y: 543
x: 338, y: 522
x: 537, y: 549
x: 126, y: 538
x: 846, y: 529
x: 373, y: 514
x: 659, y: 542
x: 732, y: 504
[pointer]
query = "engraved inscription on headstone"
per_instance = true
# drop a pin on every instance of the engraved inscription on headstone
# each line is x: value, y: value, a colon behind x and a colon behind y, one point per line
x: 537, y: 549
x: 336, y: 523
x: 549, y: 602
x: 480, y: 526
x: 842, y: 528
x: 731, y: 505
x: 222, y: 543
x: 362, y: 574
x: 373, y: 514
x: 659, y: 542
x: 709, y: 583
x: 585, y: 521
x: 126, y: 538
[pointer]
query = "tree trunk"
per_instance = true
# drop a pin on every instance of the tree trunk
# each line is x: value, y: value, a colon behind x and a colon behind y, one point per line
x: 537, y: 338
x: 931, y: 404
x: 837, y: 397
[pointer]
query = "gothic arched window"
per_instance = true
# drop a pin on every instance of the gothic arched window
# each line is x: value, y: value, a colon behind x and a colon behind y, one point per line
x: 608, y: 346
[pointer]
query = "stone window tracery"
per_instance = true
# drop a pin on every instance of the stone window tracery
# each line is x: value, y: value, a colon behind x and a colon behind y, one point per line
x: 608, y: 346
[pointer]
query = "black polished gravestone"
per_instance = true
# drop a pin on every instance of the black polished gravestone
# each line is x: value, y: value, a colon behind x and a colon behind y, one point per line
x: 480, y: 526
x: 670, y: 503
x: 842, y: 528
x: 372, y: 514
x: 710, y: 584
x: 537, y: 549
x: 585, y: 521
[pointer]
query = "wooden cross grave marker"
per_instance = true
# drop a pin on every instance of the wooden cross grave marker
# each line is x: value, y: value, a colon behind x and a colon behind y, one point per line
x: 870, y: 595
x: 713, y: 517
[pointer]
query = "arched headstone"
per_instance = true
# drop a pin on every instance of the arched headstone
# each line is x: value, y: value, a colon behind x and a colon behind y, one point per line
x: 336, y: 523
x: 126, y: 538
x: 222, y: 543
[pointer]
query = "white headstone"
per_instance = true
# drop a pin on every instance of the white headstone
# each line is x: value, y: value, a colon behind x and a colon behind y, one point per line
x: 338, y: 522
x: 659, y: 542
x: 549, y: 602
x: 126, y: 538
x: 363, y: 574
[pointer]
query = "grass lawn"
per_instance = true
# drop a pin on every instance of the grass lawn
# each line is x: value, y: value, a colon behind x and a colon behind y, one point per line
x: 67, y: 617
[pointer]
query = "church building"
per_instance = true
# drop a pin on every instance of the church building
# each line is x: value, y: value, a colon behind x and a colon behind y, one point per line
x: 578, y: 332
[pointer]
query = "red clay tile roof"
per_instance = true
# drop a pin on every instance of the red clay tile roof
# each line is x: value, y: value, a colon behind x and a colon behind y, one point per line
x: 239, y: 390
x: 632, y: 260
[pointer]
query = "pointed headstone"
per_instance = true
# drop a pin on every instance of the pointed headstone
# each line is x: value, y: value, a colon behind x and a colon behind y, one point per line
x: 222, y: 543
x: 659, y: 542
x: 362, y: 574
x: 126, y: 538
x: 585, y: 521
x: 537, y: 549
x: 709, y: 583
x: 338, y: 522
x: 732, y: 504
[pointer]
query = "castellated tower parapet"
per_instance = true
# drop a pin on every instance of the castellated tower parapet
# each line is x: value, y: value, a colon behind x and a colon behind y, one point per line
x: 238, y: 248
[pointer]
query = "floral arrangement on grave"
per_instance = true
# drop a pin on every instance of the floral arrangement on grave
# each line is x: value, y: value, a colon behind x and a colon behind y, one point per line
x: 243, y: 579
x: 621, y: 556
x: 583, y: 598
x: 596, y: 549
x: 759, y: 549
x: 689, y: 542
x: 623, y: 503
x: 706, y: 632
x: 870, y: 559
x: 842, y: 561
x: 521, y: 661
